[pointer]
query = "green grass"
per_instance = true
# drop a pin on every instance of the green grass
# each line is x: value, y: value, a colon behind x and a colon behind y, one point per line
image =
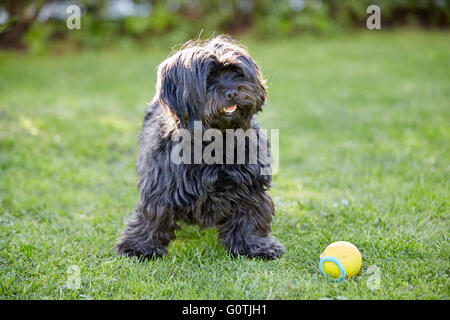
x: 364, y: 157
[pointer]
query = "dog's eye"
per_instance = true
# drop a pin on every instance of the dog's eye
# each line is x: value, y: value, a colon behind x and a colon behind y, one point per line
x: 212, y: 73
x: 231, y: 74
x: 212, y: 76
x: 224, y: 72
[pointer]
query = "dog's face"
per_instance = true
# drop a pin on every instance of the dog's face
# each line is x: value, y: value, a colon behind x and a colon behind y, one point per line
x: 216, y: 82
x: 232, y: 98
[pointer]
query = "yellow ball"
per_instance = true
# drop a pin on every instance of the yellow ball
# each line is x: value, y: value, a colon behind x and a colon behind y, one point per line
x: 347, y: 254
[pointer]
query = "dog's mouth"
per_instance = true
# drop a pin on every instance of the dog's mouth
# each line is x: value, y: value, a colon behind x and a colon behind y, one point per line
x: 230, y: 109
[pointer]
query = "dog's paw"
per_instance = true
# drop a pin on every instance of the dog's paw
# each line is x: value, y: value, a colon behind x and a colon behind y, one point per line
x: 256, y: 247
x: 142, y: 253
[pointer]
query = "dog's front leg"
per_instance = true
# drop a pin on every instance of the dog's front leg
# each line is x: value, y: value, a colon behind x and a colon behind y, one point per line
x: 148, y: 233
x: 247, y: 231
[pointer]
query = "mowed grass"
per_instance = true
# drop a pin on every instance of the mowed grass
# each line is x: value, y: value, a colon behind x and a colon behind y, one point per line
x: 364, y: 138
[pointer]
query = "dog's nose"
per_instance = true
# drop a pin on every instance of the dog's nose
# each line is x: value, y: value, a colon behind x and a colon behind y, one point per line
x: 231, y: 94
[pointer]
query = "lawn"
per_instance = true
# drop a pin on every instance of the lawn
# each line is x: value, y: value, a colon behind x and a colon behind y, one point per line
x: 363, y: 122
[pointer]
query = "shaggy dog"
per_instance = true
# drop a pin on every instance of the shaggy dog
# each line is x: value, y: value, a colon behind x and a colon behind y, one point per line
x: 217, y: 84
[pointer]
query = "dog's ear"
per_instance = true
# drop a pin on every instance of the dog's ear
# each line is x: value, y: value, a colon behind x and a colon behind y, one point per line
x: 181, y: 86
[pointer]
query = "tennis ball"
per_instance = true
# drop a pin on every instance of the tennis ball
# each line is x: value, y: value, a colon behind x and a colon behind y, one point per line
x: 340, y: 260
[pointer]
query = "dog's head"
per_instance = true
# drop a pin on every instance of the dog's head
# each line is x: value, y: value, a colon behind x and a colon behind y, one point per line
x: 215, y: 81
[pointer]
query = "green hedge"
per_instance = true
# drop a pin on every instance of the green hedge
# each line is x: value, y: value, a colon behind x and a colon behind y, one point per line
x: 178, y: 20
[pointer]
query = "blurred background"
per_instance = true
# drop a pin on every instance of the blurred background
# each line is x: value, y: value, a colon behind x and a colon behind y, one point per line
x: 363, y: 117
x: 38, y: 25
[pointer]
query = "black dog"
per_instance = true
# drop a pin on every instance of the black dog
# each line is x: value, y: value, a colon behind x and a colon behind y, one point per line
x: 217, y: 84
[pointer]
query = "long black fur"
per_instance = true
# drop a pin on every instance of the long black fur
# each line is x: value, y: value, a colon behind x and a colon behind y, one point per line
x: 194, y: 84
